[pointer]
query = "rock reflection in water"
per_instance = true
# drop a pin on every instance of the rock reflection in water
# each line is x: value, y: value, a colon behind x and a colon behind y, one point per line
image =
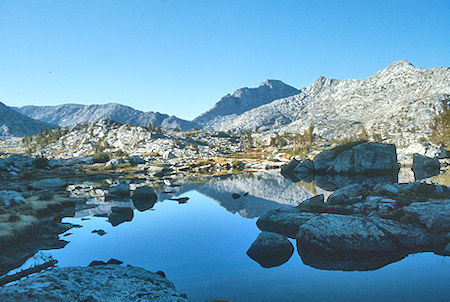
x: 270, y: 249
x: 348, y: 262
x: 120, y: 215
x: 144, y: 204
x: 332, y: 182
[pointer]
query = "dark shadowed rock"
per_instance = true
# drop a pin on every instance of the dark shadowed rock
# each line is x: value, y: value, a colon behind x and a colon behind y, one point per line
x: 97, y: 263
x: 284, y: 221
x: 348, y: 262
x: 434, y: 215
x: 347, y: 195
x: 235, y: 196
x: 144, y: 193
x: 313, y: 204
x: 270, y: 249
x: 421, y: 162
x: 114, y: 261
x: 121, y: 191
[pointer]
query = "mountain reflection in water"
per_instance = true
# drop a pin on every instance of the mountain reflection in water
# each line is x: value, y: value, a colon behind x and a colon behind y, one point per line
x: 202, y: 248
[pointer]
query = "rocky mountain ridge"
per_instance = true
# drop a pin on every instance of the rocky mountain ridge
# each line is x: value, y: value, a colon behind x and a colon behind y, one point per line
x: 72, y: 114
x: 13, y: 123
x: 397, y: 103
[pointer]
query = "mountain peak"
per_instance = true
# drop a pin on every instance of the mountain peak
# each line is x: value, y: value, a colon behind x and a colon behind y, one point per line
x: 398, y: 67
x: 245, y: 99
x: 401, y: 63
x: 271, y: 83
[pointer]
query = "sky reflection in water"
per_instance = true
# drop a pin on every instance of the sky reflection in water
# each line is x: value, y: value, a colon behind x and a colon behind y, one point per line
x: 202, y: 249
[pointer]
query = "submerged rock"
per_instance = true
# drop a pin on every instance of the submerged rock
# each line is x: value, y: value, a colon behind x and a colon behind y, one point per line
x: 270, y: 249
x: 104, y: 282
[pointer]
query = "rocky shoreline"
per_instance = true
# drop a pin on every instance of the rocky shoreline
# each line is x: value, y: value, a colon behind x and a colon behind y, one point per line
x: 364, y: 227
x: 108, y: 282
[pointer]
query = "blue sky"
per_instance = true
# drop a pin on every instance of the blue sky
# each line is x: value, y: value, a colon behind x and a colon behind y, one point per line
x: 179, y: 57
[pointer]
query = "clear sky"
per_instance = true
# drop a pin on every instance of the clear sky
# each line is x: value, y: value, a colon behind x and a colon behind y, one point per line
x: 179, y: 57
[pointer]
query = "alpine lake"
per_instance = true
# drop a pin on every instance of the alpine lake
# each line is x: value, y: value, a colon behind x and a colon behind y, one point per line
x: 198, y: 233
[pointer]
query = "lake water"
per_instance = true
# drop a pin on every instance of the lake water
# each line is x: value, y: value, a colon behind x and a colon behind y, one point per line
x: 201, y: 246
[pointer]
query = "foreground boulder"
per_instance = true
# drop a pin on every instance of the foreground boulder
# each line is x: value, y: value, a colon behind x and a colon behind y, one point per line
x: 96, y: 283
x: 270, y: 249
x: 364, y: 227
x: 284, y: 221
x: 332, y: 233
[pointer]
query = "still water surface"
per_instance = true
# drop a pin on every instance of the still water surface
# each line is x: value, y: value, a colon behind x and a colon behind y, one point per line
x: 202, y: 249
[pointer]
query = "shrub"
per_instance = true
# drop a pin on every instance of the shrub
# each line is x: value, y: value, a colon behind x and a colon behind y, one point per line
x: 40, y: 162
x: 339, y: 149
x: 100, y: 157
x: 441, y: 126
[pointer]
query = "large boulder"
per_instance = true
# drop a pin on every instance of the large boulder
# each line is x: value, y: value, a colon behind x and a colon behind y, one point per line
x: 347, y: 195
x: 375, y: 157
x: 344, y: 234
x: 357, y: 158
x: 8, y: 198
x: 289, y: 167
x: 121, y: 191
x: 424, y: 162
x: 434, y: 215
x: 284, y: 221
x: 110, y: 282
x: 145, y: 193
x: 270, y: 249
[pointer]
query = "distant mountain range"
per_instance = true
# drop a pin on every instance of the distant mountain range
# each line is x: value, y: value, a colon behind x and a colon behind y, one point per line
x: 72, y: 114
x: 13, y: 123
x: 397, y: 103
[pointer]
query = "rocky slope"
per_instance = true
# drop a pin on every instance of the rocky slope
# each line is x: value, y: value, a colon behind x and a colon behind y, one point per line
x: 13, y: 123
x: 397, y: 103
x: 242, y: 100
x: 72, y: 114
x: 110, y: 136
